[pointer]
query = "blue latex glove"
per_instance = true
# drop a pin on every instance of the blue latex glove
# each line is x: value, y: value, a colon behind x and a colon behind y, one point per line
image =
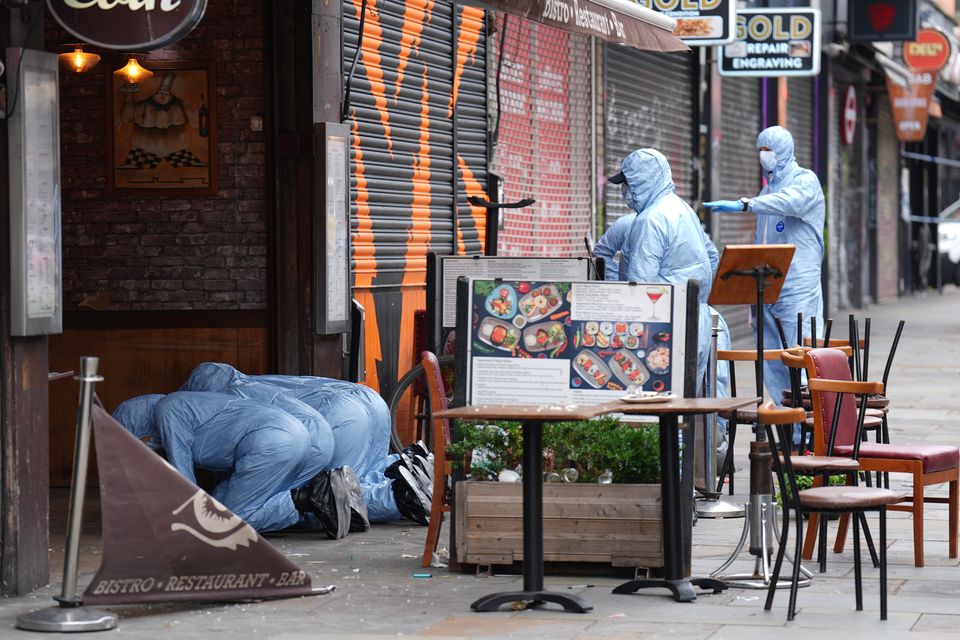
x: 724, y: 205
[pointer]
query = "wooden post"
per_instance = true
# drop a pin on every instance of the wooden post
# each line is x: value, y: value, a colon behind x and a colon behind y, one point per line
x: 24, y: 423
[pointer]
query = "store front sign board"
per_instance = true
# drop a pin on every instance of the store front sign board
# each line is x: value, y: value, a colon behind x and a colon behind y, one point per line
x: 772, y: 43
x: 599, y: 18
x: 134, y: 25
x: 911, y: 101
x: 700, y: 23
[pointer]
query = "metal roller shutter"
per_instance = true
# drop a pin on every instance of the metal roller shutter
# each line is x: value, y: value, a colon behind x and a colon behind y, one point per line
x: 888, y: 203
x: 800, y: 118
x: 419, y: 148
x: 739, y: 169
x: 411, y: 148
x: 648, y: 103
x: 542, y: 130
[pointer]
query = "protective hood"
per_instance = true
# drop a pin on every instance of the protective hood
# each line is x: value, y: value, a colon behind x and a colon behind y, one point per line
x: 780, y: 141
x: 136, y: 415
x: 211, y: 376
x: 648, y: 178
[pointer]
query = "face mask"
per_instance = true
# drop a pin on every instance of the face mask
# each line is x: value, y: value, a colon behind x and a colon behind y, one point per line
x: 768, y: 160
x: 628, y: 196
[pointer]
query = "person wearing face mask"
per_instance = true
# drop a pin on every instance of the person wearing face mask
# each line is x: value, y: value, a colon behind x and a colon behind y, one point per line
x: 665, y: 241
x: 790, y: 210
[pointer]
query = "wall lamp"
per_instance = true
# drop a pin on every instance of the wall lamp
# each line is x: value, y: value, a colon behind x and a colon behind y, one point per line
x: 78, y: 60
x: 133, y: 72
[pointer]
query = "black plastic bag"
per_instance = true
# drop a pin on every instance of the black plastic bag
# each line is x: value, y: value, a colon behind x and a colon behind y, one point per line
x: 327, y: 496
x: 359, y: 519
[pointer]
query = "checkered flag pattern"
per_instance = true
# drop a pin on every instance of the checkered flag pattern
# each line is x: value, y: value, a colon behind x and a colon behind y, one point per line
x: 184, y: 158
x: 139, y: 159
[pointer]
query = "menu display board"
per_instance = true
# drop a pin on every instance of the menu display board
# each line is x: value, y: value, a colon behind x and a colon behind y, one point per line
x: 699, y: 22
x: 773, y: 42
x: 34, y: 150
x: 332, y: 262
x: 536, y: 342
x: 443, y: 294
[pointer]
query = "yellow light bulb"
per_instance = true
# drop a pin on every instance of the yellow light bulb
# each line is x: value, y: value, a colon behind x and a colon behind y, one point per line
x: 133, y: 72
x: 79, y: 60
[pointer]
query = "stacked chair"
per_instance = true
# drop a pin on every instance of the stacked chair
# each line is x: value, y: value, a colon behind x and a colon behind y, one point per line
x: 821, y: 500
x: 838, y: 432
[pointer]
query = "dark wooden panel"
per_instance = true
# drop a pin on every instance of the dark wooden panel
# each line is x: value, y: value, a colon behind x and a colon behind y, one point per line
x: 134, y: 362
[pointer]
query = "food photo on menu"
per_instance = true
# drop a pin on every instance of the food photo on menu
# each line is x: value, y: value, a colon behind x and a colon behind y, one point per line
x: 533, y: 320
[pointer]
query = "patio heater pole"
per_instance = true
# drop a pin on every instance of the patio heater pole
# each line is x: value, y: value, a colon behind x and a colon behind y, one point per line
x: 712, y: 506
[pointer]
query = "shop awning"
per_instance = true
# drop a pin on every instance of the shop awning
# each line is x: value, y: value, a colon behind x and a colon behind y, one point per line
x: 619, y: 21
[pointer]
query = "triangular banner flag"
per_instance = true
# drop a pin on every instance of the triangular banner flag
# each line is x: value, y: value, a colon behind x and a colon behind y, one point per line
x: 167, y: 540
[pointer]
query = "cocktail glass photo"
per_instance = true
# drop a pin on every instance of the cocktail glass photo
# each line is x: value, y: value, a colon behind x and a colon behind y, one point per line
x: 654, y: 294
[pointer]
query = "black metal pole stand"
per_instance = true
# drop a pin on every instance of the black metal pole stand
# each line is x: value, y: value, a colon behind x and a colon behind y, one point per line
x: 71, y: 615
x: 760, y: 523
x: 673, y: 578
x: 533, y: 594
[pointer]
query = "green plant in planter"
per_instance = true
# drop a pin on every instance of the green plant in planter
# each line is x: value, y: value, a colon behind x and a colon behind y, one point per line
x: 632, y: 454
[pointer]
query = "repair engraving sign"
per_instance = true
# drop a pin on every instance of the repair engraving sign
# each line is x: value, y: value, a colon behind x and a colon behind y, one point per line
x: 773, y: 42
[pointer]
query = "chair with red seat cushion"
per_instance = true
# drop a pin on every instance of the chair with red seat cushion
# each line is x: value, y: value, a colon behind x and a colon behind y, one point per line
x: 828, y: 370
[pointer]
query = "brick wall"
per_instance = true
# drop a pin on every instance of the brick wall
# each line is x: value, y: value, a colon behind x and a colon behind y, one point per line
x: 169, y: 252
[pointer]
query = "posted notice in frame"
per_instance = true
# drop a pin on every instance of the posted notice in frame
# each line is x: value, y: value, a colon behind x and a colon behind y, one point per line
x: 41, y: 196
x: 338, y: 244
x: 536, y: 342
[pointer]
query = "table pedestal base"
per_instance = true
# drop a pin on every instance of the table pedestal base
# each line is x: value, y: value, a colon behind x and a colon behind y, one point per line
x: 531, y: 599
x: 682, y: 589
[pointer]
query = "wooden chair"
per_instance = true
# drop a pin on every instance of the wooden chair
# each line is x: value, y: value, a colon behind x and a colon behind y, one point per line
x: 818, y: 500
x: 441, y: 463
x: 829, y: 375
x: 746, y: 415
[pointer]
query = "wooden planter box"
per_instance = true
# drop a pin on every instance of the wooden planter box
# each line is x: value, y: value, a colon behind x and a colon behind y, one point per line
x: 616, y: 524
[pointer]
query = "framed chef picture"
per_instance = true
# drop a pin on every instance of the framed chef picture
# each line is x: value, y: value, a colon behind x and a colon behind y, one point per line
x: 162, y: 131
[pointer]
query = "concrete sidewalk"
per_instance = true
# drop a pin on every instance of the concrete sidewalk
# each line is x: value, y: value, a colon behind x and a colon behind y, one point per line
x: 377, y: 595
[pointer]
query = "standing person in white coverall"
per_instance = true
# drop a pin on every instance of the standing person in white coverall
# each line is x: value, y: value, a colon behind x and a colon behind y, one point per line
x: 789, y: 210
x: 665, y: 242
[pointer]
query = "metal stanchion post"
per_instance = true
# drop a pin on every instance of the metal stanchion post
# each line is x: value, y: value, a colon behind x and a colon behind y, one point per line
x: 712, y: 506
x: 71, y: 615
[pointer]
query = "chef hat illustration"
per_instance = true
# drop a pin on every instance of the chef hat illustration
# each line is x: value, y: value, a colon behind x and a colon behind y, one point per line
x: 167, y: 83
